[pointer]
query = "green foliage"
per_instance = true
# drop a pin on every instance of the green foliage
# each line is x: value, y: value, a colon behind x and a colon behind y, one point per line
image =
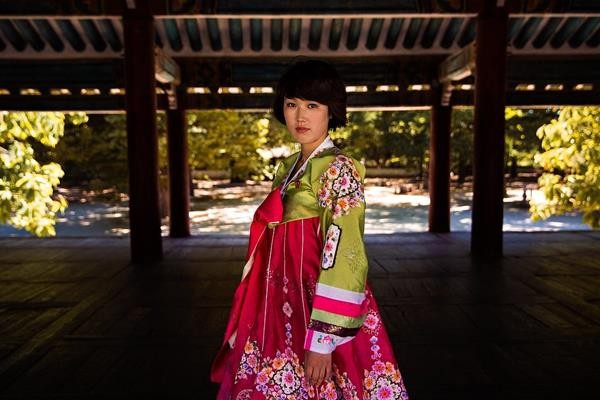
x: 26, y: 186
x: 520, y: 138
x: 522, y: 143
x: 94, y: 154
x: 461, y: 142
x: 385, y: 138
x: 231, y: 140
x: 571, y: 163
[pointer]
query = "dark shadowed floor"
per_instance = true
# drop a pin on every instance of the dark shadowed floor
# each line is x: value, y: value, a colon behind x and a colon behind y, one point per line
x: 78, y: 321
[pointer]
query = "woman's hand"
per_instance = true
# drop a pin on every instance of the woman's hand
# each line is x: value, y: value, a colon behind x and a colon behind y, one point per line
x: 317, y: 367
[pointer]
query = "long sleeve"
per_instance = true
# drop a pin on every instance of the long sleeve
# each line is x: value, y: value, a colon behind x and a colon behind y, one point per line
x: 338, y: 309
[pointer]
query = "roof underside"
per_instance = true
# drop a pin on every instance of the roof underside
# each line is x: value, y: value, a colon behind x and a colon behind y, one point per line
x: 397, y: 44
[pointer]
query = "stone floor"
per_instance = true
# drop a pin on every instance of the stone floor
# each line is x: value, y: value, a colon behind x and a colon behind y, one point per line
x: 78, y: 321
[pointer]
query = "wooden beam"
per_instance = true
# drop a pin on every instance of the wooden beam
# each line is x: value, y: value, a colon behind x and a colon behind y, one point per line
x: 488, y: 178
x: 458, y: 66
x: 387, y: 101
x: 179, y: 175
x: 439, y: 163
x: 142, y: 139
x: 287, y: 7
x: 106, y: 74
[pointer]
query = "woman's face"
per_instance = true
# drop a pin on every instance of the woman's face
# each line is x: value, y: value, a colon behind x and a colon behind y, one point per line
x: 306, y: 120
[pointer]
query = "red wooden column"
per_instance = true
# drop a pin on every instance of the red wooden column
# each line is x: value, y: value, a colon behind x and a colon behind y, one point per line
x: 488, y: 175
x: 439, y: 164
x: 179, y: 178
x: 142, y: 140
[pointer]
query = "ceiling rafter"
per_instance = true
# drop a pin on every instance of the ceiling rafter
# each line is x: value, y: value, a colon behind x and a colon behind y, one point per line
x: 285, y: 36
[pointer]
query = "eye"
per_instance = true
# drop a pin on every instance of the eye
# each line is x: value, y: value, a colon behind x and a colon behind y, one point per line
x: 313, y: 105
x: 290, y: 104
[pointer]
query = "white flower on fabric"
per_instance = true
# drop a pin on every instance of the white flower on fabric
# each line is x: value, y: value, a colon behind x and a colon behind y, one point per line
x: 341, y: 187
x: 287, y: 310
x: 330, y: 247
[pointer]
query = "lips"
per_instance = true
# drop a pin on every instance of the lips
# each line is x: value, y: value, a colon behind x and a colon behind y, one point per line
x: 301, y: 129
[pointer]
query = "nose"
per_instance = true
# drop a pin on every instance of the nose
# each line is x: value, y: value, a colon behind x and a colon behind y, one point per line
x: 300, y: 114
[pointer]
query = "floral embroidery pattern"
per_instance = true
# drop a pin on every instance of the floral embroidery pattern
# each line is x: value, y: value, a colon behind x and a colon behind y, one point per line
x: 285, y: 282
x: 375, y: 348
x: 371, y: 323
x: 250, y: 361
x: 330, y: 248
x: 283, y: 378
x: 341, y: 187
x: 300, y: 172
x: 384, y: 382
x: 288, y: 334
x: 337, y: 388
x: 355, y: 256
x: 245, y: 394
x: 326, y: 339
x: 287, y: 310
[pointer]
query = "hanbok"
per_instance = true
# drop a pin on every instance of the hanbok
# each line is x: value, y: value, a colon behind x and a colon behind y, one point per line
x: 304, y: 287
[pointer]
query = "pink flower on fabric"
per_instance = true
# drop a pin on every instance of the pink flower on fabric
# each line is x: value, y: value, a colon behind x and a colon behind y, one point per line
x: 384, y: 393
x: 379, y: 367
x: 287, y: 310
x: 262, y: 378
x: 341, y: 187
x: 288, y: 378
x: 344, y: 182
x: 252, y: 361
x: 330, y: 394
x: 371, y: 321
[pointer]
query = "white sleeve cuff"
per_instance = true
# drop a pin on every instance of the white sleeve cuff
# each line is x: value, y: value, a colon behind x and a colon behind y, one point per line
x: 324, y: 343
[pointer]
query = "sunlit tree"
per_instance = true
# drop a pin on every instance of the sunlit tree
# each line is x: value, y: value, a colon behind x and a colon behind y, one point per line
x: 522, y: 143
x: 232, y: 140
x: 27, y: 187
x: 387, y: 139
x: 571, y: 164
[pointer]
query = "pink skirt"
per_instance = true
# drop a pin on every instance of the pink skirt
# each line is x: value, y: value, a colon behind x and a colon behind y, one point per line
x: 267, y: 328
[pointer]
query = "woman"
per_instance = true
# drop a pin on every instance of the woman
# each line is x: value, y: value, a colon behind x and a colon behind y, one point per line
x: 304, y: 323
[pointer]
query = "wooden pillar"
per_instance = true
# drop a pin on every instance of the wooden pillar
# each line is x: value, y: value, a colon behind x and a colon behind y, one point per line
x: 488, y: 160
x: 179, y: 184
x: 142, y: 140
x: 439, y: 164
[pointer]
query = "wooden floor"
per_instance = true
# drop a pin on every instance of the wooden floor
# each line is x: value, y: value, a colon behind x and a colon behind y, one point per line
x: 77, y: 321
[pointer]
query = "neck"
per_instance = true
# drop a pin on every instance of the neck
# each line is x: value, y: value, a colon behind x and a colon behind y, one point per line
x: 308, y: 148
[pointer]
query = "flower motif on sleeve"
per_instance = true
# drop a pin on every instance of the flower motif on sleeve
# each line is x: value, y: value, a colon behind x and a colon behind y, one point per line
x: 330, y: 247
x: 341, y: 187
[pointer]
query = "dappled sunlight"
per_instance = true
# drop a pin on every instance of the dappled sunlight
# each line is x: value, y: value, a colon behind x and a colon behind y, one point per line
x: 228, y: 210
x: 385, y: 196
x: 459, y: 208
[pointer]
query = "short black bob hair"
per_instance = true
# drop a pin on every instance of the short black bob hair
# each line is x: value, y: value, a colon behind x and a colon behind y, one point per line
x: 317, y: 81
